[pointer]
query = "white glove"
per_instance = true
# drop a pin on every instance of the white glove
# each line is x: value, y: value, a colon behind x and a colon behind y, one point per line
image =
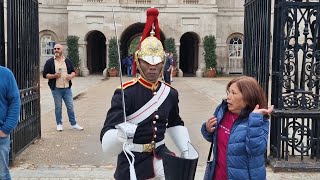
x: 126, y: 131
x: 180, y: 137
x: 185, y: 154
x: 110, y: 143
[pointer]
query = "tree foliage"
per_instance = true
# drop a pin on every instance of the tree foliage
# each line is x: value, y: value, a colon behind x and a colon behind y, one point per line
x: 113, y: 53
x: 73, y: 50
x: 210, y: 57
x: 134, y: 44
x: 169, y: 46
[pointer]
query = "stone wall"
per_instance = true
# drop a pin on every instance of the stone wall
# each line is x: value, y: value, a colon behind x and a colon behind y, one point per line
x: 80, y: 17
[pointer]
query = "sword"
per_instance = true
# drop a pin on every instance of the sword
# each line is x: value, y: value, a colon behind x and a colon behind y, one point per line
x: 120, y: 69
x: 125, y: 127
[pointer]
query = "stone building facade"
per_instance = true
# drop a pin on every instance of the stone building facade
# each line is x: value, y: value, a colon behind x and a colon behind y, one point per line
x: 187, y: 21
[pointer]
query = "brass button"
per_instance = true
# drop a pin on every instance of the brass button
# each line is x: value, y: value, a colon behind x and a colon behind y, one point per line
x: 156, y: 116
x: 152, y: 142
x: 155, y: 128
x: 154, y: 93
x: 155, y: 136
x: 154, y: 122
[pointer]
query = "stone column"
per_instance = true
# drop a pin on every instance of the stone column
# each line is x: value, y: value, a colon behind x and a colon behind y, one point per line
x: 83, y: 63
x: 201, y: 63
x: 180, y: 73
x: 107, y: 59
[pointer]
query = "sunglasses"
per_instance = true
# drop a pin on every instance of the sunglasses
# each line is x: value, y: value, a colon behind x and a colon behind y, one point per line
x: 56, y: 48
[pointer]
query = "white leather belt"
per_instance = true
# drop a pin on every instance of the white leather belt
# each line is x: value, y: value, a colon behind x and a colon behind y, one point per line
x: 146, y: 147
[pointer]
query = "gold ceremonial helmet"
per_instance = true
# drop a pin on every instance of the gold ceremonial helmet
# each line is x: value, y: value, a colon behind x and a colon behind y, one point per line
x: 151, y: 50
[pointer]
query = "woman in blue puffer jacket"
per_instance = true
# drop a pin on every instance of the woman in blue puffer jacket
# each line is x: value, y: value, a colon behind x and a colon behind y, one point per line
x: 239, y: 131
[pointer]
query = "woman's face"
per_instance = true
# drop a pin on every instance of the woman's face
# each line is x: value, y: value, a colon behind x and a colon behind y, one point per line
x: 235, y: 99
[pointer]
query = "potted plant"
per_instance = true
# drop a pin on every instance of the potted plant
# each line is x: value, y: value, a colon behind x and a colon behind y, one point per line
x: 73, y: 52
x: 169, y: 45
x: 210, y: 57
x: 113, y: 55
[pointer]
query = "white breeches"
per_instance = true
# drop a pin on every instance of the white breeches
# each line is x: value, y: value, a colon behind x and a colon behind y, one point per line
x: 158, y: 169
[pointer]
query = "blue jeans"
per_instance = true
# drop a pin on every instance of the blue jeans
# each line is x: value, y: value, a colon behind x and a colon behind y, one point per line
x: 65, y: 94
x: 166, y: 76
x: 4, y: 158
x: 129, y: 69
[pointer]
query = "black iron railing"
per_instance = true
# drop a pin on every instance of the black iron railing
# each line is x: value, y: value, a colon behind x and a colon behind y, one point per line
x: 295, y: 125
x: 257, y: 40
x: 23, y: 60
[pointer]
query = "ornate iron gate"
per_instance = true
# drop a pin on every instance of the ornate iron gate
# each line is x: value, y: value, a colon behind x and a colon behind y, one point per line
x: 295, y: 125
x: 257, y: 40
x: 23, y: 60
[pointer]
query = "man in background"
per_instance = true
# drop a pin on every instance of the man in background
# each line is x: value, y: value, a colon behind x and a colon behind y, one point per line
x: 129, y: 62
x: 59, y: 71
x: 167, y: 68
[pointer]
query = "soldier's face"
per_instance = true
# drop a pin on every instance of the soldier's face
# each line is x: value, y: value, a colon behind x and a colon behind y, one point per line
x: 152, y: 72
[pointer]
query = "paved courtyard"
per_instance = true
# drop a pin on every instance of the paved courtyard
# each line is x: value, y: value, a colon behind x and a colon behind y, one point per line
x: 74, y: 154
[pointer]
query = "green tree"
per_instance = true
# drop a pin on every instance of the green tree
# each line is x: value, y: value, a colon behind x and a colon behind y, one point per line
x: 113, y: 53
x: 210, y: 57
x: 169, y: 46
x: 73, y: 50
x: 134, y: 44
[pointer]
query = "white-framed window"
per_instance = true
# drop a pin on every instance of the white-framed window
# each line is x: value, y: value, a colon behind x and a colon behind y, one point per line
x: 235, y: 47
x: 47, y: 44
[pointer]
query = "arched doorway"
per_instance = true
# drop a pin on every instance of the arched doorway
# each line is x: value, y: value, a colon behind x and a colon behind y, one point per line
x: 96, y: 52
x: 189, y: 51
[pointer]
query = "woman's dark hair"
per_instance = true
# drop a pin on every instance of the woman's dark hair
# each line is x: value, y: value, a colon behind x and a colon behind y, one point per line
x: 252, y: 94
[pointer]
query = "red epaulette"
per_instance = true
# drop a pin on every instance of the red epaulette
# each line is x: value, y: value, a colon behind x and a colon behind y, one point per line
x: 128, y: 83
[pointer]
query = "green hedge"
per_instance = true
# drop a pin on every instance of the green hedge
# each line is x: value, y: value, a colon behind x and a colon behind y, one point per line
x: 73, y: 50
x: 210, y: 57
x: 113, y: 53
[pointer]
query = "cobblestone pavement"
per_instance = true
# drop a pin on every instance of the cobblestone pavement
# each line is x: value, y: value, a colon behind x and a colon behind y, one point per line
x: 72, y: 154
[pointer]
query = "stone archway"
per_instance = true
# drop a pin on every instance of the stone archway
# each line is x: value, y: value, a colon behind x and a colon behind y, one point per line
x: 189, y: 51
x: 96, y: 52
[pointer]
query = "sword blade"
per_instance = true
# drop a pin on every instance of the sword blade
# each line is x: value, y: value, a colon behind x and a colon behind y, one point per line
x: 120, y: 69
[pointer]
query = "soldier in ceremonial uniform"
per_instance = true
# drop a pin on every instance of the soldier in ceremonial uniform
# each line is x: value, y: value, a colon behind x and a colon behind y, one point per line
x: 151, y: 108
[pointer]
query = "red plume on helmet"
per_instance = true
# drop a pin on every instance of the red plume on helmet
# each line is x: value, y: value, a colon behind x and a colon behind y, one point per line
x: 152, y: 19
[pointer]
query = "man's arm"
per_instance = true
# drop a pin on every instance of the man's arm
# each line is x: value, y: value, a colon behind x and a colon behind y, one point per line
x: 13, y: 97
x: 46, y: 72
x: 109, y: 135
x: 176, y: 129
x: 171, y: 65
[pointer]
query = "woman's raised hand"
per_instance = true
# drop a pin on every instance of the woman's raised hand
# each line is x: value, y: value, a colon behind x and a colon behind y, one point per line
x: 211, y: 123
x: 263, y: 111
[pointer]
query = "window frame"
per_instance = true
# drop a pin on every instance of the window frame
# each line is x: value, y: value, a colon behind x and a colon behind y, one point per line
x: 47, y: 49
x: 235, y: 47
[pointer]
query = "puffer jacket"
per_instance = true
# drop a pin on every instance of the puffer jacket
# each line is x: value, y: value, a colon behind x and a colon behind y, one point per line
x: 246, y: 146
